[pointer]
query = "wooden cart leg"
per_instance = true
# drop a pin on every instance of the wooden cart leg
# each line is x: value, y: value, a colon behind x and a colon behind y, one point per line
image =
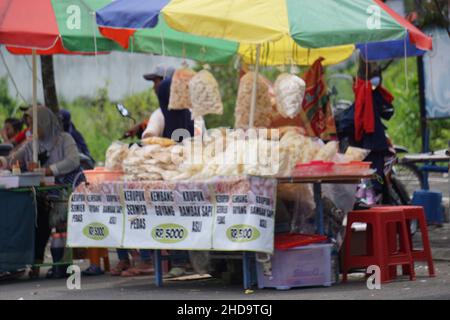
x: 158, y: 268
x: 319, y: 207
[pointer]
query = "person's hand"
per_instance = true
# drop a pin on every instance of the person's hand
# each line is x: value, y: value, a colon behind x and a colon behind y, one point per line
x: 48, y: 172
x: 412, y: 17
x: 137, y: 130
x: 132, y: 132
x: 31, y: 166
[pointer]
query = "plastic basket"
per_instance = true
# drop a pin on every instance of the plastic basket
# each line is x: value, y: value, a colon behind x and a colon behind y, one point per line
x: 287, y: 241
x: 352, y: 168
x: 313, y: 168
x: 307, y: 266
x: 101, y: 174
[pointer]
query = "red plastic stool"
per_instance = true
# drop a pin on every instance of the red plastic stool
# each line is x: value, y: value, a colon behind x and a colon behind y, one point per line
x: 415, y: 213
x: 94, y: 256
x: 379, y: 222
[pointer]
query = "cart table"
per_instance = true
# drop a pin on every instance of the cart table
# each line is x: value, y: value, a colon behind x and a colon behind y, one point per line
x: 17, y: 219
x: 247, y: 257
x: 17, y: 226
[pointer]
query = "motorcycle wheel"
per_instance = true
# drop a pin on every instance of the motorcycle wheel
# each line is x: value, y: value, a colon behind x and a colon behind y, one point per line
x: 410, y: 176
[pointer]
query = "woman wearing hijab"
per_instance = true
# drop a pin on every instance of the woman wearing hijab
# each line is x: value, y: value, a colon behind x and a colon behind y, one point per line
x: 58, y: 156
x: 163, y: 122
x: 167, y: 124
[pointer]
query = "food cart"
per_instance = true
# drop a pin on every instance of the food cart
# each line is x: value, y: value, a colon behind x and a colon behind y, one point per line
x: 137, y: 202
x: 203, y: 206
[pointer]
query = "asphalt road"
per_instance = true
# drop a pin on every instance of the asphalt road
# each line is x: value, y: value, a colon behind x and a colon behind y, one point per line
x: 143, y: 288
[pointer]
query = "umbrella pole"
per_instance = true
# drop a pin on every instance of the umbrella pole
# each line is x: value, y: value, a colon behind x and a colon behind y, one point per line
x: 255, y: 88
x: 35, y: 120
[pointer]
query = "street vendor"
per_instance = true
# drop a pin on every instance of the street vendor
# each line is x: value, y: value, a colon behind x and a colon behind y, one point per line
x: 58, y: 157
x: 160, y: 72
x: 145, y: 265
x: 163, y: 121
x: 371, y: 107
x: 363, y: 125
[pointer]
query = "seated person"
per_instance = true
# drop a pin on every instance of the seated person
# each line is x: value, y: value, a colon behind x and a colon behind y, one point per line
x: 25, y: 133
x: 11, y: 129
x: 58, y: 156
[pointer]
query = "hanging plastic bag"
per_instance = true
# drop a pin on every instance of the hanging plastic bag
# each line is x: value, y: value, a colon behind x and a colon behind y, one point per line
x: 290, y: 92
x: 339, y: 200
x: 356, y: 154
x: 328, y: 152
x: 205, y: 95
x: 263, y: 109
x: 179, y: 90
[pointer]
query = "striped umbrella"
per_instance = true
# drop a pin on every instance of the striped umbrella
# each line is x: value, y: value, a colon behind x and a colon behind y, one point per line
x: 70, y: 28
x: 51, y: 27
x: 311, y: 24
x: 256, y: 23
x: 130, y: 23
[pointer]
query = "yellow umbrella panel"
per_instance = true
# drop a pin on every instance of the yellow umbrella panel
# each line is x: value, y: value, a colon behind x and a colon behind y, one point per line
x: 286, y: 52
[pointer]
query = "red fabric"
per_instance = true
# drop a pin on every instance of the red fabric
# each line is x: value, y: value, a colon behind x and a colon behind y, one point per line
x: 144, y: 124
x: 316, y: 111
x: 364, y: 115
x: 416, y: 36
x: 30, y: 24
x: 58, y: 48
x: 21, y: 136
x: 287, y: 241
x: 364, y: 112
x: 121, y: 36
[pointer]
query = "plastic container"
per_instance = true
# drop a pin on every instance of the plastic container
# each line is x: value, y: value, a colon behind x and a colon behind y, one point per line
x: 287, y: 241
x: 48, y: 181
x: 100, y: 174
x: 313, y: 169
x: 28, y: 179
x: 431, y: 201
x: 352, y: 168
x: 306, y: 266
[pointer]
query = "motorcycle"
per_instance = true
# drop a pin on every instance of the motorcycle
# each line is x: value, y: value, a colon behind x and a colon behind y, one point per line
x: 136, y: 131
x: 341, y: 98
